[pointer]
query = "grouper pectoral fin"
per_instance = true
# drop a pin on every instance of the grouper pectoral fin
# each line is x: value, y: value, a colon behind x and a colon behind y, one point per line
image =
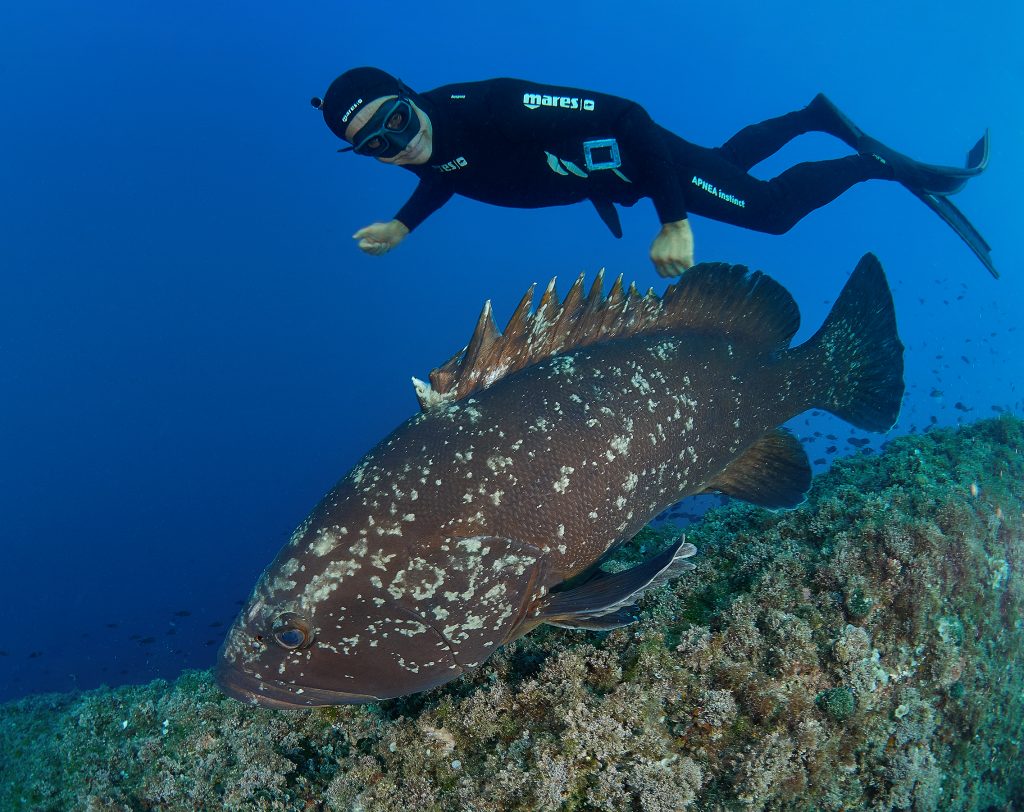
x: 773, y: 473
x: 608, y: 600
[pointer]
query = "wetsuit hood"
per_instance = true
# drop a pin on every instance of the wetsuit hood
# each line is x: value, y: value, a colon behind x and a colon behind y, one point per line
x: 355, y: 88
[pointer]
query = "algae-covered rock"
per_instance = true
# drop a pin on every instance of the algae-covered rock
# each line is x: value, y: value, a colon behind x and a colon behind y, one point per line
x: 860, y: 652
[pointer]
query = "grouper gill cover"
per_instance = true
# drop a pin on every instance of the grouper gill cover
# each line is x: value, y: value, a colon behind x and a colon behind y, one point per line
x: 539, y: 450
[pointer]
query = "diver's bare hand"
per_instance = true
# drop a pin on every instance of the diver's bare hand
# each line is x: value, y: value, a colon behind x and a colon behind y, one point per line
x: 379, y: 238
x: 672, y: 249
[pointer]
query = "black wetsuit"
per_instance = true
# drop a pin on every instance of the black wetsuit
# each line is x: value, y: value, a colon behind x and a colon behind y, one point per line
x: 523, y: 144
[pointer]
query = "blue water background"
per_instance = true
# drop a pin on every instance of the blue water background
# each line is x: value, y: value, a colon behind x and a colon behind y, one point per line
x: 192, y: 350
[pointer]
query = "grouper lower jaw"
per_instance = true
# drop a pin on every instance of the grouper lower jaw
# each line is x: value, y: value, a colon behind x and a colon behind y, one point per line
x: 246, y: 688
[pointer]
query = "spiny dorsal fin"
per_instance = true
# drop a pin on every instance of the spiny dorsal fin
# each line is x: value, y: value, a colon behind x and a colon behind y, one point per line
x: 710, y: 298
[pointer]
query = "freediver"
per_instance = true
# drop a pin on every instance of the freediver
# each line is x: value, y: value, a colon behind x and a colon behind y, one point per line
x: 527, y: 145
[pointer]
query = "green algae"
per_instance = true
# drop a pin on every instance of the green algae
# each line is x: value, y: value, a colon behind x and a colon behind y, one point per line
x: 860, y: 652
x: 837, y: 703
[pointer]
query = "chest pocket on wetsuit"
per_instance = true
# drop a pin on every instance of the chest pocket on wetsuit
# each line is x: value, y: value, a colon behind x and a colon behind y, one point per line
x: 598, y: 154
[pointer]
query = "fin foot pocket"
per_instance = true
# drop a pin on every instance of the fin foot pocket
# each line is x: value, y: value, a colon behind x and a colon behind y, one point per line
x: 915, y: 175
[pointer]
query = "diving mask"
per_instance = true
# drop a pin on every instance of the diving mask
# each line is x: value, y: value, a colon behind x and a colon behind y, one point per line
x: 390, y: 130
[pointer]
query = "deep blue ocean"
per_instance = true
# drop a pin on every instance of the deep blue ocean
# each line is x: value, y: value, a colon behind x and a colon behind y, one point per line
x: 192, y: 349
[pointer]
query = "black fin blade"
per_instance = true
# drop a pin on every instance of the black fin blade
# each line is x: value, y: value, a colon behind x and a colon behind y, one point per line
x: 605, y: 593
x: 773, y: 473
x: 977, y: 158
x: 956, y: 220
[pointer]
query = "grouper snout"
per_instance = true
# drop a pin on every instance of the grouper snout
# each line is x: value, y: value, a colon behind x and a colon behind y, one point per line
x: 280, y: 658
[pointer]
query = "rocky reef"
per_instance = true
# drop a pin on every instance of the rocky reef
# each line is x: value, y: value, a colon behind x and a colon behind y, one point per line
x: 860, y: 652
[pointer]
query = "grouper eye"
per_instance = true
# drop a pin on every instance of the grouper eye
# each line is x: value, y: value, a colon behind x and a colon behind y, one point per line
x: 291, y: 631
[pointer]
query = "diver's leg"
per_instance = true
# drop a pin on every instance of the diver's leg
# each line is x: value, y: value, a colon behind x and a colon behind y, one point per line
x: 717, y: 188
x: 754, y: 143
x: 805, y: 187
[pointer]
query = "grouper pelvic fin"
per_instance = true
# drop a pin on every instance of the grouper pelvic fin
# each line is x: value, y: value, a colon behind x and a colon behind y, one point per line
x: 710, y: 298
x: 774, y: 472
x: 608, y: 600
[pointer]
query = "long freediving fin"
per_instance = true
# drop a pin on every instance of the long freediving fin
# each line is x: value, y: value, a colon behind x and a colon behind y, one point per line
x: 837, y: 123
x: 934, y: 179
x: 956, y: 220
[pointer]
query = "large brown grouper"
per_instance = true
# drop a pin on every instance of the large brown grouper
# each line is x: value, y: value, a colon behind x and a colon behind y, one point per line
x: 538, y: 451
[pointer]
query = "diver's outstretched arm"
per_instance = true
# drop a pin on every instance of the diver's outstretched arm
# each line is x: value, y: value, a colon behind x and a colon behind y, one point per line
x: 379, y: 238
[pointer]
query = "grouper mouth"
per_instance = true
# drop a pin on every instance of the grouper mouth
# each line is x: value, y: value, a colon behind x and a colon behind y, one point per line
x: 273, y: 694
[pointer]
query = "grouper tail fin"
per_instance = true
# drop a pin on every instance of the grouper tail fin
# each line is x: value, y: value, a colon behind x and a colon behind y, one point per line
x: 855, y: 361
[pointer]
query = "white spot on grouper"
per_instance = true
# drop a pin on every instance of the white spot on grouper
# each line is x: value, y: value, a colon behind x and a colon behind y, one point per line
x: 619, y: 445
x: 290, y: 567
x: 359, y: 548
x: 563, y: 482
x: 408, y: 666
x: 422, y: 583
x: 324, y: 543
x: 498, y: 463
x: 324, y: 584
x: 380, y: 561
x: 496, y: 591
x: 640, y: 382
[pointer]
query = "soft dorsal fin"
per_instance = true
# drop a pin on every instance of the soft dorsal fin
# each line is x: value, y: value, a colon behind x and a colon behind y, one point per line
x: 710, y: 298
x: 773, y: 473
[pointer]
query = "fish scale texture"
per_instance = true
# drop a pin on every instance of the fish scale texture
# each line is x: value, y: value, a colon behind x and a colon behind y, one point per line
x: 860, y: 652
